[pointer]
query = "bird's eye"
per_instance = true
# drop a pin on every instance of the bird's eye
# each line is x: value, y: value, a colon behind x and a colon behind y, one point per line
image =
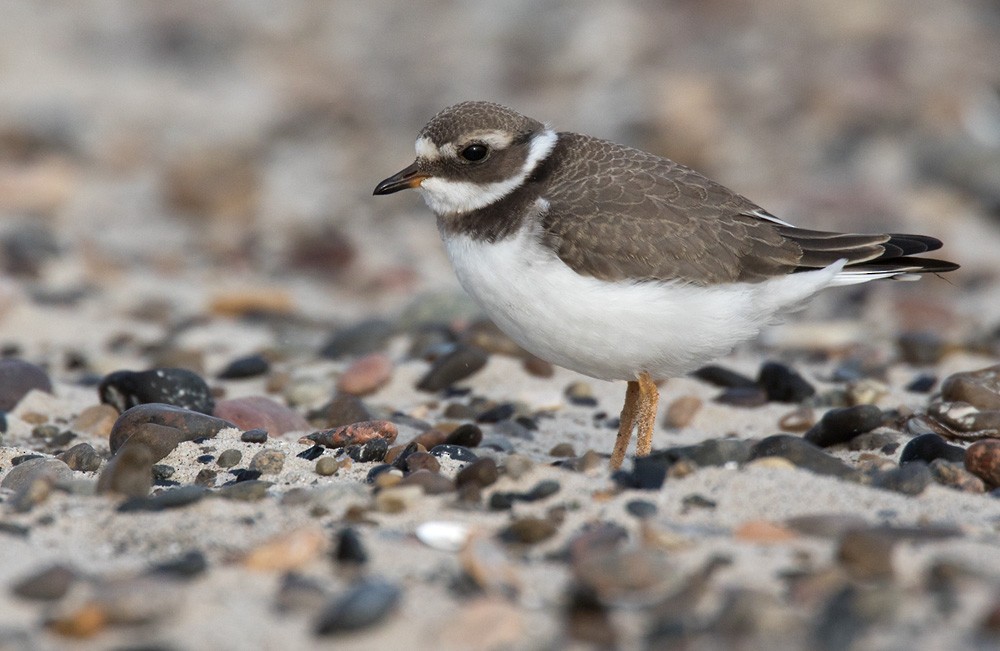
x: 475, y: 152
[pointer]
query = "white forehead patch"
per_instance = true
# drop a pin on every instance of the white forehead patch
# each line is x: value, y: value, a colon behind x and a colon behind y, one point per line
x: 426, y: 149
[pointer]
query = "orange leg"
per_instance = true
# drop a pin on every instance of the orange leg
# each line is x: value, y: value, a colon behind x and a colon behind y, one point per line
x: 627, y: 422
x: 649, y: 398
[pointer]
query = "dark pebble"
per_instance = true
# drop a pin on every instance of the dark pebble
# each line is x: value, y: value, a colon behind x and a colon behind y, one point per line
x: 742, y: 397
x: 162, y: 471
x: 641, y: 509
x: 82, y: 457
x: 501, y: 501
x: 343, y: 409
x: 376, y: 471
x: 921, y: 348
x: 245, y: 367
x: 254, y: 436
x: 129, y: 472
x: 363, y: 605
x: 909, y: 479
x: 421, y: 461
x: 841, y: 425
x: 496, y: 414
x: 923, y: 383
x: 250, y: 490
x: 173, y: 386
x: 514, y: 429
x: 17, y: 378
x: 268, y: 462
x: 696, y: 501
x: 562, y: 450
x: 205, y: 458
x: 311, y: 453
x: 783, y: 384
x: 49, y: 584
x: 648, y: 473
x: 723, y: 377
x: 348, y: 548
x: 498, y: 443
x: 589, y: 620
x: 359, y: 339
x: 803, y: 454
x: 186, y: 566
x: 528, y: 530
x: 481, y: 473
x: 884, y: 441
x: 21, y: 458
x: 541, y: 490
x: 459, y: 411
x: 371, y: 452
x: 431, y: 482
x: 467, y: 435
x: 456, y: 452
x: 229, y: 458
x: 206, y: 477
x: 956, y: 476
x: 930, y: 446
x: 457, y: 365
x: 163, y: 427
x: 713, y: 452
x: 245, y: 474
x: 400, y: 459
x: 170, y: 498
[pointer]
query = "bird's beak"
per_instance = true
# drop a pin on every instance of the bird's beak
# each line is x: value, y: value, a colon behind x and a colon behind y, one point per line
x: 401, y: 180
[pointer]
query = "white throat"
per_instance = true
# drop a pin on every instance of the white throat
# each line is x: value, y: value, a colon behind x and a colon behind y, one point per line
x: 446, y: 197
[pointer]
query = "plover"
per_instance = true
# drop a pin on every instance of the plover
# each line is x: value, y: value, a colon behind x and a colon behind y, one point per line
x: 617, y: 263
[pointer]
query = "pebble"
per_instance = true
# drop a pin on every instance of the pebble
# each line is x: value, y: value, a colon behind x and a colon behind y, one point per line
x: 467, y: 435
x: 866, y: 554
x: 841, y: 425
x: 763, y: 532
x: 513, y: 429
x: 910, y: 479
x: 982, y: 459
x: 421, y: 461
x: 162, y: 427
x: 682, y: 411
x: 948, y: 473
x: 562, y: 450
x: 481, y: 473
x: 289, y: 551
x: 980, y: 388
x: 348, y: 548
x: 803, y: 454
x: 696, y: 501
x: 24, y: 474
x: 887, y: 442
x: 355, y: 434
x: 783, y: 384
x: 229, y: 458
x: 723, y: 377
x: 173, y: 386
x: 866, y: 392
x: 245, y: 367
x: 454, y: 452
x: 965, y: 420
x: 96, y: 420
x: 381, y: 469
x: 49, y: 584
x: 17, y: 378
x: 589, y: 621
x: 250, y: 490
x: 581, y: 394
x: 431, y: 483
x: 921, y: 348
x: 129, y: 472
x: 82, y: 457
x: 299, y: 593
x: 461, y: 363
x: 245, y: 474
x: 327, y: 466
x: 443, y: 535
x: 166, y: 499
x: 516, y: 466
x: 374, y: 451
x: 923, y: 383
x: 361, y: 606
x: 359, y: 339
x: 254, y: 436
x: 928, y: 447
x: 187, y: 565
x: 648, y: 473
x: 742, y: 397
x: 713, y: 452
x: 528, y: 530
x: 825, y: 525
x: 396, y: 499
x: 268, y: 462
x: 497, y: 413
x: 366, y: 375
x: 641, y: 509
x: 538, y: 367
x: 260, y: 412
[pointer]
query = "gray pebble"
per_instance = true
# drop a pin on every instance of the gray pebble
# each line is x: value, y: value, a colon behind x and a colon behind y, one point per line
x: 229, y: 458
x: 363, y: 605
x: 268, y: 462
x: 82, y: 457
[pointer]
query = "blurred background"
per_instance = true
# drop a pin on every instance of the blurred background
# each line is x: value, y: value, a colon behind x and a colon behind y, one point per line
x: 167, y: 159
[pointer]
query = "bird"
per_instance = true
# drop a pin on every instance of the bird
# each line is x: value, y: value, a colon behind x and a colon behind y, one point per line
x: 617, y: 263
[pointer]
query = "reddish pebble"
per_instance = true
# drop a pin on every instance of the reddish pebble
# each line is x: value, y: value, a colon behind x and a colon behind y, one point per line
x: 982, y: 459
x: 260, y: 412
x: 682, y: 411
x: 355, y: 434
x: 366, y: 375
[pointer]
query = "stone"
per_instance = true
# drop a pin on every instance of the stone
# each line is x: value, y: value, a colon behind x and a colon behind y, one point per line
x: 982, y: 459
x: 260, y: 412
x: 581, y: 394
x: 254, y: 436
x: 187, y: 565
x: 355, y: 434
x: 359, y: 339
x: 922, y: 383
x: 327, y: 466
x: 24, y: 474
x: 797, y: 420
x: 374, y: 451
x: 528, y: 530
x: 431, y: 483
x: 459, y: 364
x: 682, y: 411
x: 361, y: 606
x: 49, y: 584
x: 286, y: 552
x: 641, y: 509
x: 783, y: 384
x: 245, y: 367
x: 455, y: 452
x: 162, y: 427
x: 481, y: 473
x: 348, y: 549
x: 866, y: 554
x: 173, y: 386
x: 366, y: 375
x: 980, y: 388
x: 17, y: 378
x: 723, y: 377
x: 909, y: 479
x: 250, y: 490
x: 129, y: 472
x: 96, y: 420
x: 172, y: 498
x: 841, y: 425
x: 648, y: 473
x: 948, y: 473
x: 268, y: 462
x: 928, y: 447
x: 467, y: 435
x: 82, y: 457
x: 422, y: 461
x: 921, y: 348
x: 496, y: 413
x: 562, y: 450
x: 229, y: 458
x: 803, y: 454
x: 538, y: 367
x: 746, y: 397
x: 713, y: 452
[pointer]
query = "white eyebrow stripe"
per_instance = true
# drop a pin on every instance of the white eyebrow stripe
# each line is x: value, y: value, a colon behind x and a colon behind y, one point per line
x: 426, y: 149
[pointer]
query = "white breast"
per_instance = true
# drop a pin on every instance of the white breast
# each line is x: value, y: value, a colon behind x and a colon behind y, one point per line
x: 616, y: 330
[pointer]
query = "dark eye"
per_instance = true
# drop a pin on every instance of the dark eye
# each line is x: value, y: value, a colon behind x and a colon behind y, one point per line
x: 475, y: 152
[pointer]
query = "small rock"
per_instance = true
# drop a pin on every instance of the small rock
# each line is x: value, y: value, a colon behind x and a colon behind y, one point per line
x: 841, y: 425
x: 723, y: 377
x: 82, y: 457
x: 162, y: 427
x: 682, y: 411
x: 422, y: 461
x: 516, y: 466
x: 763, y: 532
x: 803, y: 454
x: 355, y: 434
x: 747, y: 397
x: 866, y: 392
x: 311, y: 453
x: 254, y: 436
x: 538, y: 367
x: 268, y: 462
x: 397, y: 499
x: 982, y: 459
x: 456, y: 366
x: 96, y: 420
x: 696, y: 501
x: 167, y: 499
x: 287, y: 552
x: 430, y: 482
x: 581, y: 394
x: 562, y: 450
x: 467, y: 435
x: 797, y: 420
x: 713, y: 452
x: 363, y: 605
x: 342, y: 410
x: 455, y: 452
x: 496, y: 413
x: 910, y: 479
x: 948, y: 473
x: 928, y: 447
x: 866, y: 554
x: 783, y: 384
x: 129, y: 472
x: 980, y: 388
x: 206, y: 477
x: 17, y: 378
x: 49, y: 584
x: 443, y: 535
x: 173, y: 386
x: 923, y: 383
x: 825, y: 525
x: 528, y: 530
x: 648, y: 473
x: 249, y: 490
x: 229, y: 458
x: 374, y: 451
x: 882, y: 441
x: 359, y: 339
x: 481, y: 473
x: 348, y: 549
x: 245, y: 367
x: 260, y: 412
x: 366, y: 375
x: 641, y: 509
x: 26, y: 473
x: 327, y: 466
x: 921, y: 348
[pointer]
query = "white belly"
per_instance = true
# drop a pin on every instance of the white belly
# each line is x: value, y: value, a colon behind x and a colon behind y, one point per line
x: 614, y: 331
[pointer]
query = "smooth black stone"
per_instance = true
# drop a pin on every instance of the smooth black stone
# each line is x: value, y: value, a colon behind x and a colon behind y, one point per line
x: 723, y: 377
x: 311, y: 453
x: 363, y: 605
x: 254, y: 436
x: 245, y: 474
x: 648, y: 473
x: 173, y: 386
x: 803, y: 454
x: 349, y: 548
x: 205, y: 458
x: 502, y: 501
x: 496, y: 414
x: 186, y: 566
x: 360, y: 339
x: 12, y: 529
x: 162, y: 471
x: 909, y: 479
x: 168, y: 499
x: 841, y: 425
x: 742, y: 397
x: 923, y: 383
x: 641, y: 509
x: 245, y: 367
x: 467, y: 435
x: 713, y: 452
x: 456, y: 366
x: 456, y: 452
x: 783, y: 384
x: 400, y: 460
x: 373, y: 451
x: 541, y: 490
x: 376, y: 471
x: 930, y: 446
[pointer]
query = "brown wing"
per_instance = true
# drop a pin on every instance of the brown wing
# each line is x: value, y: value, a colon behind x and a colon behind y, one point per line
x: 617, y: 213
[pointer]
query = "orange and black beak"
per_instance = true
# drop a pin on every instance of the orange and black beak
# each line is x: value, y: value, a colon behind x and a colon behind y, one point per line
x: 410, y: 177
